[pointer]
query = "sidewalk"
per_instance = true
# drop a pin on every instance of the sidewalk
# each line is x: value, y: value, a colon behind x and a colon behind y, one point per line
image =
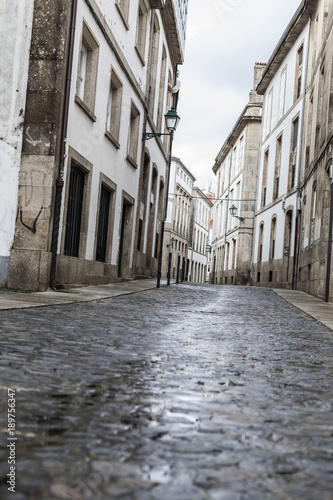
x: 20, y: 300
x: 317, y: 308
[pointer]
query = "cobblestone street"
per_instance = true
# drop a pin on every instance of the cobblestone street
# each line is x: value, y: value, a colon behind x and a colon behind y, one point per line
x: 181, y: 393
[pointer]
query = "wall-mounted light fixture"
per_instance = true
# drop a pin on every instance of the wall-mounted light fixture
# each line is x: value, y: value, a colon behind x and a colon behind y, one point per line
x: 170, y: 245
x: 171, y: 123
x: 233, y: 212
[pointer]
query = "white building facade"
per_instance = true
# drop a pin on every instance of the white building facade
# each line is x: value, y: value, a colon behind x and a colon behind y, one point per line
x: 283, y: 86
x: 97, y: 186
x: 199, y: 237
x: 177, y: 226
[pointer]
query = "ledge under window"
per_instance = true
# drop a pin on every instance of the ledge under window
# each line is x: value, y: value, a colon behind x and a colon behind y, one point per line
x: 131, y: 161
x: 112, y: 139
x: 85, y: 108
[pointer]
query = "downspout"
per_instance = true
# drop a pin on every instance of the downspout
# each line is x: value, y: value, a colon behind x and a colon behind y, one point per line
x: 60, y: 179
x: 329, y: 250
x: 256, y: 192
x: 298, y: 207
x: 160, y: 257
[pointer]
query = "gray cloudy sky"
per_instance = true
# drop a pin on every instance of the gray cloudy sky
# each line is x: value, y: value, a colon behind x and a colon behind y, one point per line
x: 224, y: 40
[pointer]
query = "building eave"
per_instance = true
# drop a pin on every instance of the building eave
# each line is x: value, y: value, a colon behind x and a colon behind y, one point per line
x: 170, y: 25
x: 178, y: 160
x: 295, y: 27
x: 203, y: 195
x: 244, y: 119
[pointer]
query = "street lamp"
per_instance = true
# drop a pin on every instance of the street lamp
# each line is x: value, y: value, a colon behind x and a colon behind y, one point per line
x: 233, y: 212
x: 171, y: 123
x: 170, y: 245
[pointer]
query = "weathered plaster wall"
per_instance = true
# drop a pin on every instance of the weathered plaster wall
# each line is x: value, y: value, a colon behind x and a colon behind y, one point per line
x: 15, y: 33
x: 30, y: 255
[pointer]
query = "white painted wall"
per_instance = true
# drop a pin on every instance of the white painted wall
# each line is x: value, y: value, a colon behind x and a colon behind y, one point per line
x: 282, y: 125
x: 89, y: 138
x: 15, y: 33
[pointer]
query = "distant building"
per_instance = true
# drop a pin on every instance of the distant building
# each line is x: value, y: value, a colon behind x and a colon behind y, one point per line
x: 177, y: 226
x: 82, y: 194
x: 236, y: 170
x: 199, y: 236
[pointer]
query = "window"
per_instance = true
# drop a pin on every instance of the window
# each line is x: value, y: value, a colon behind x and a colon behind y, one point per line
x: 103, y: 224
x: 114, y: 106
x: 140, y: 234
x: 87, y: 73
x: 234, y: 158
x: 299, y: 70
x: 264, y: 179
x: 292, y: 174
x: 278, y: 158
x: 241, y: 151
x: 141, y: 31
x: 282, y: 92
x: 74, y: 211
x: 313, y: 213
x: 273, y: 239
x: 269, y: 112
x: 161, y: 91
x: 133, y: 138
x: 260, y: 246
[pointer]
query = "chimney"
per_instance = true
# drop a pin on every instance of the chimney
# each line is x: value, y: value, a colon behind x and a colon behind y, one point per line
x: 258, y: 72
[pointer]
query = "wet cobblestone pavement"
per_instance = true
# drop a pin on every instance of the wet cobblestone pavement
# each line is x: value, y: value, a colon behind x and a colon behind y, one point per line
x: 181, y: 393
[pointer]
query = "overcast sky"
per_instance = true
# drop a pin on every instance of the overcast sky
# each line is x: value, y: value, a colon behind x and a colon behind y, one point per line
x: 224, y: 40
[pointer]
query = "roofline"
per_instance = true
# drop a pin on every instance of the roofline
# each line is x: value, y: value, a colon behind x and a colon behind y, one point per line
x: 178, y: 160
x: 203, y: 195
x: 241, y: 122
x: 295, y: 27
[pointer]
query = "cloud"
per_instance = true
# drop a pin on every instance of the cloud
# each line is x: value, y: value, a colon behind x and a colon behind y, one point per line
x: 225, y: 38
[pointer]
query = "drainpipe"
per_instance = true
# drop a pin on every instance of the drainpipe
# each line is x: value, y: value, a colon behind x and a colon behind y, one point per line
x: 226, y: 218
x: 60, y: 179
x: 256, y: 194
x: 160, y: 257
x: 329, y: 251
x: 298, y: 217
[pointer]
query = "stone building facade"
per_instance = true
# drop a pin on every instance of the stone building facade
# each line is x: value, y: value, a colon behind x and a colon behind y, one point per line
x: 314, y: 240
x: 236, y: 169
x: 283, y: 87
x: 177, y: 227
x: 199, y: 236
x: 88, y: 191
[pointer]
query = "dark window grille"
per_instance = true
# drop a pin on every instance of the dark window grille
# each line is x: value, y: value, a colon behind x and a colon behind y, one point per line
x: 273, y: 249
x: 295, y: 134
x: 293, y: 170
x: 258, y: 277
x: 270, y: 276
x: 74, y: 212
x: 140, y: 234
x: 103, y: 223
x: 260, y: 253
x: 299, y: 86
x: 156, y: 246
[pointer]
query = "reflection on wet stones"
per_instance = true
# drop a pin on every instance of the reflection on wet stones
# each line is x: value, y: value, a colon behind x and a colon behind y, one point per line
x: 171, y: 394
